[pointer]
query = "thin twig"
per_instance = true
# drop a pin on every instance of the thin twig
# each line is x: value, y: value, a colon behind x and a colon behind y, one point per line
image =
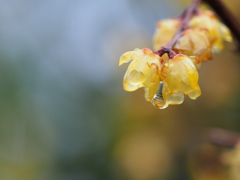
x: 185, y: 18
x: 223, y: 137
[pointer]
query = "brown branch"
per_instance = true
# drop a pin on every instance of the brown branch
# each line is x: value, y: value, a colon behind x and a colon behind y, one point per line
x: 222, y: 11
x: 223, y: 137
x: 227, y: 17
x: 185, y: 18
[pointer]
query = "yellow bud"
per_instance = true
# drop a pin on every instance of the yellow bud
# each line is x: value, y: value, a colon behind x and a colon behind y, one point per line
x: 218, y: 32
x: 195, y: 42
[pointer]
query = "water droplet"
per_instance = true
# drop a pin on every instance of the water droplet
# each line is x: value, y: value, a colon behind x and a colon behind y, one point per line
x: 158, y: 99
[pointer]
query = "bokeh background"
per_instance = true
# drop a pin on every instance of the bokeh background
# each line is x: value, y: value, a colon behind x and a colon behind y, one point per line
x: 65, y: 116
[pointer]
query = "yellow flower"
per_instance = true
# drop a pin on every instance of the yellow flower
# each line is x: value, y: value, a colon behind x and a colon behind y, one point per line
x: 218, y: 32
x: 194, y: 42
x: 166, y: 29
x: 179, y: 77
x: 182, y: 76
x: 142, y: 72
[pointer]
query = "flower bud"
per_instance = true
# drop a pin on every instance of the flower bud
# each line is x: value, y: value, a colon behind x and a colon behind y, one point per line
x: 195, y: 42
x: 218, y: 32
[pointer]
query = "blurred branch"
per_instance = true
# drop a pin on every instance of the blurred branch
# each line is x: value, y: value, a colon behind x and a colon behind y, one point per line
x: 227, y: 17
x: 185, y: 18
x: 223, y: 137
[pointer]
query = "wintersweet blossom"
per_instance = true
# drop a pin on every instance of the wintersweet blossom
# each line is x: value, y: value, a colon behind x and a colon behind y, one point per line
x: 182, y: 75
x: 218, y: 32
x: 179, y: 77
x: 195, y: 42
x: 181, y: 45
x: 143, y: 71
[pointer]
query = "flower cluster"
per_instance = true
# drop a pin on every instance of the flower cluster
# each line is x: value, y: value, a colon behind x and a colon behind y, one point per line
x: 188, y: 41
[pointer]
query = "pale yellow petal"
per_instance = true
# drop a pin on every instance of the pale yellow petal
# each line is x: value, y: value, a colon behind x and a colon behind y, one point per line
x: 218, y: 32
x: 128, y: 86
x: 226, y: 33
x: 143, y: 71
x: 136, y: 77
x: 126, y: 57
x: 152, y: 82
x: 195, y: 93
x: 182, y: 75
x: 195, y: 42
x: 150, y: 92
x: 176, y: 98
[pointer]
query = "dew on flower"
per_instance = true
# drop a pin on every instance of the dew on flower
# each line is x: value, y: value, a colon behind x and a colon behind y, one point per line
x: 181, y: 45
x: 158, y: 99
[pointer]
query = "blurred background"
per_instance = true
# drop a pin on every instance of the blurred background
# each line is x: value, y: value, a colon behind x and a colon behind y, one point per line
x: 65, y: 116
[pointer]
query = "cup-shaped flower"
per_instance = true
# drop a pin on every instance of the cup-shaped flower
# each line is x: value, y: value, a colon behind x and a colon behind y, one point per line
x: 180, y: 76
x: 195, y: 42
x: 143, y: 71
x: 165, y: 31
x: 218, y: 32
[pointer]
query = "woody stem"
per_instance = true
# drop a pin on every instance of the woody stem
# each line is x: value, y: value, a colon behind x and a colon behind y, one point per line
x: 222, y: 137
x: 185, y: 18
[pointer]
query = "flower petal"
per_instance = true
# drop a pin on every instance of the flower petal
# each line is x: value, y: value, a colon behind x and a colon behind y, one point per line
x: 181, y: 76
x: 218, y: 32
x: 195, y: 93
x: 126, y: 57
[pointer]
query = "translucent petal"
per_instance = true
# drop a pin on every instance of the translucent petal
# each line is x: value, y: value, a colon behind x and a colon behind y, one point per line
x: 153, y: 75
x: 127, y: 86
x: 181, y: 76
x: 136, y: 77
x: 143, y: 71
x: 226, y: 33
x: 195, y: 42
x: 176, y: 98
x: 195, y: 94
x: 218, y: 32
x: 126, y: 57
x: 151, y: 84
